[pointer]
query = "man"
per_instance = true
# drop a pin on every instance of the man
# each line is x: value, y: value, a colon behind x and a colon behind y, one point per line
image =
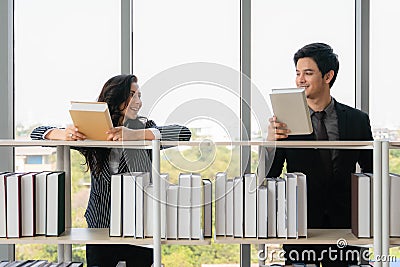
x: 328, y: 171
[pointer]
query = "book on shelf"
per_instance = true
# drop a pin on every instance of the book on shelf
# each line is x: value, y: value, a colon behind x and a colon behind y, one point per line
x: 291, y: 204
x: 361, y: 205
x: 28, y: 204
x: 41, y: 202
x: 250, y: 204
x: 238, y: 212
x: 142, y: 181
x: 3, y: 207
x: 271, y: 185
x: 116, y: 203
x: 148, y: 210
x: 172, y: 212
x: 196, y: 207
x: 184, y: 206
x: 281, y: 227
x: 91, y: 118
x: 262, y: 211
x: 229, y: 207
x: 290, y: 106
x: 301, y: 204
x: 220, y: 206
x: 164, y: 182
x: 394, y: 211
x: 55, y: 209
x: 207, y: 187
x: 13, y: 205
x: 128, y: 204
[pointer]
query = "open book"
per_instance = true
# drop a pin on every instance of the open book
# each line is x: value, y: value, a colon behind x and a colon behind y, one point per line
x: 91, y: 118
x: 290, y: 106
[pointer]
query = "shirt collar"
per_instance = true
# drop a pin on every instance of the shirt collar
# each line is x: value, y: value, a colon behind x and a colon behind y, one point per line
x: 329, y: 109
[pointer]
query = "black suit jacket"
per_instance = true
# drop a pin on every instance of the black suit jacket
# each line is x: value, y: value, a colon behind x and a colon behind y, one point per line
x: 329, y: 195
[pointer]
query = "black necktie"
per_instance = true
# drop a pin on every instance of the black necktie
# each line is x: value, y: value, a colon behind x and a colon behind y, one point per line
x: 322, y: 134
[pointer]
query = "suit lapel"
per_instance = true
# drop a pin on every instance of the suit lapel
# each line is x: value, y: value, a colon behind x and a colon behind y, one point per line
x: 342, y: 120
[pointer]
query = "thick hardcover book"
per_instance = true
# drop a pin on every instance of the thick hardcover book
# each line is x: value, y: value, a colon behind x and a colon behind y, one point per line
x: 238, y: 199
x: 116, y: 205
x: 13, y: 205
x: 55, y: 216
x: 262, y: 212
x: 172, y: 212
x: 220, y: 206
x: 290, y: 106
x: 91, y: 118
x: 41, y: 202
x: 250, y: 205
x: 184, y: 206
x: 28, y: 205
x: 361, y: 205
x: 207, y: 186
x: 271, y: 185
x: 3, y: 207
x: 394, y: 209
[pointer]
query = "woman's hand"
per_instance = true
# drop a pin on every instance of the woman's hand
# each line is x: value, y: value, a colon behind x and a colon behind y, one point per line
x: 71, y: 133
x: 277, y: 130
x: 121, y: 133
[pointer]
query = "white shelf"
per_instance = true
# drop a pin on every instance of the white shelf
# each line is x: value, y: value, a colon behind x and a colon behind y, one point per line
x: 95, y: 236
x: 315, y: 236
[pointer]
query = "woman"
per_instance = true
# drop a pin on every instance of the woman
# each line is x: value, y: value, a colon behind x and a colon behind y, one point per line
x: 122, y: 95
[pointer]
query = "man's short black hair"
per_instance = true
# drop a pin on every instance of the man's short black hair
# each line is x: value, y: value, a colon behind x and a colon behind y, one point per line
x: 323, y: 55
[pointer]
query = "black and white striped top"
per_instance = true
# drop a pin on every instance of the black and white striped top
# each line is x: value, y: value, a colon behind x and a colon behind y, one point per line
x: 98, y: 210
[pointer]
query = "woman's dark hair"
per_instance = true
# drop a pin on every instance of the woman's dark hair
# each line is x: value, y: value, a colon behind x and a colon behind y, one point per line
x: 115, y: 93
x: 323, y: 55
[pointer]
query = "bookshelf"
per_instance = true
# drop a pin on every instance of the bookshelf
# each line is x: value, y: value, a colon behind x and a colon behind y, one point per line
x: 322, y: 236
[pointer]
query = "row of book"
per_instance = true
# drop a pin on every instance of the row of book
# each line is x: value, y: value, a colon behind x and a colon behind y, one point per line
x: 32, y: 204
x: 362, y: 205
x: 186, y: 207
x: 38, y: 263
x: 273, y: 207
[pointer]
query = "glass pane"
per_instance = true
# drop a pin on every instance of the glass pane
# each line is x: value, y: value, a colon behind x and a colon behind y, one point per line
x: 280, y: 28
x: 186, y: 56
x: 383, y: 69
x: 64, y: 50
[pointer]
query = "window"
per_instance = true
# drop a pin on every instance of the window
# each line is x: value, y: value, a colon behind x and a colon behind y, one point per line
x: 384, y: 60
x: 35, y: 159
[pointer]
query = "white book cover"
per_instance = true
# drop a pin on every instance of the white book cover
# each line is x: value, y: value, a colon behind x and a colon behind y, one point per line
x: 207, y: 186
x: 148, y: 210
x: 271, y: 185
x: 364, y: 206
x: 290, y: 106
x: 3, y: 208
x: 301, y: 204
x: 116, y: 205
x: 184, y: 206
x: 229, y: 207
x: 250, y: 205
x: 41, y: 202
x: 262, y: 231
x: 238, y: 206
x: 129, y: 204
x: 13, y: 204
x: 220, y: 189
x: 55, y: 209
x: 394, y: 201
x: 281, y: 227
x: 172, y: 211
x: 164, y: 182
x: 197, y: 207
x: 291, y: 204
x: 142, y: 180
x: 28, y: 208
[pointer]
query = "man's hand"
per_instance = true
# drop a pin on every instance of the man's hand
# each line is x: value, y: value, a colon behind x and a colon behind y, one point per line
x: 277, y: 130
